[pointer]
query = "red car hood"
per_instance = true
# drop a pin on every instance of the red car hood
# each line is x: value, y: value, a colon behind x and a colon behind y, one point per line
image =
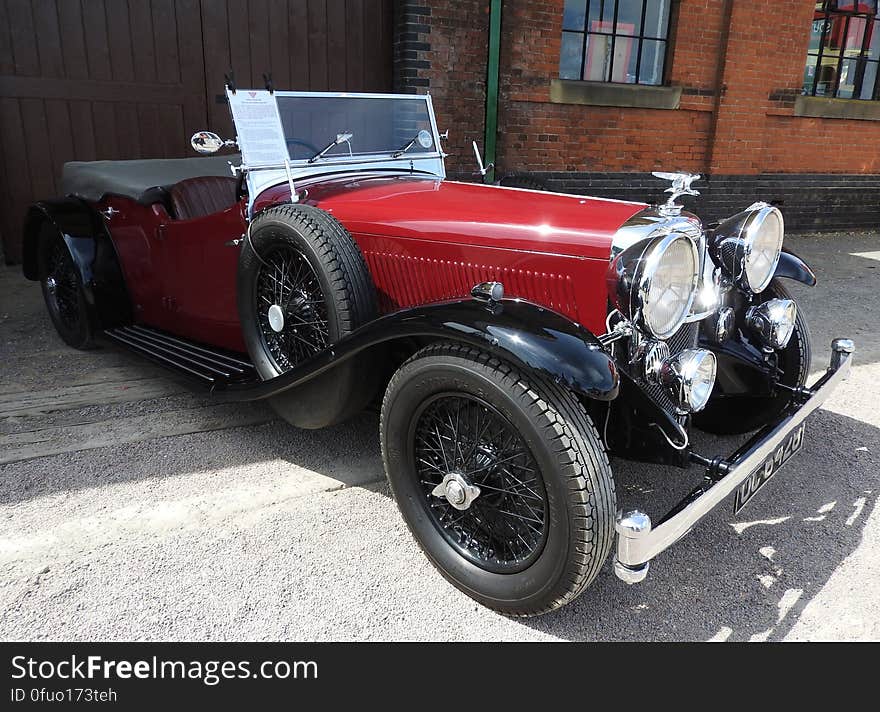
x: 466, y: 213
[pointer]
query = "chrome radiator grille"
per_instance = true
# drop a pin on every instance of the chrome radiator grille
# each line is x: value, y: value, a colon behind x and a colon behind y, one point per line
x: 685, y: 338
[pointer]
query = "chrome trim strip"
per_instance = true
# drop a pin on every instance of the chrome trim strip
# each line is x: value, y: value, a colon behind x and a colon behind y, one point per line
x: 637, y: 546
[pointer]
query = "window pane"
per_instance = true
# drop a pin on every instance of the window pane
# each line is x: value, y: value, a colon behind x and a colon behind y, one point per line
x: 573, y: 15
x: 629, y: 17
x: 826, y: 74
x: 657, y: 18
x: 597, y: 60
x: 867, y: 6
x: 810, y: 73
x: 601, y: 11
x: 846, y: 86
x: 855, y: 35
x: 570, y: 56
x: 869, y: 81
x: 874, y: 40
x: 626, y: 54
x: 816, y: 34
x: 653, y: 53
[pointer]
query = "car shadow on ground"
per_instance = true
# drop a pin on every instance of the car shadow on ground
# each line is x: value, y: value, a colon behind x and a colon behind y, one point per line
x: 346, y: 455
x: 745, y: 577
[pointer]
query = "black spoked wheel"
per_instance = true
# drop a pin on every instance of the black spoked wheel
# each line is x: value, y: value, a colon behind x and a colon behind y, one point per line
x: 62, y: 285
x: 482, y: 486
x: 500, y: 476
x: 62, y: 290
x: 292, y: 311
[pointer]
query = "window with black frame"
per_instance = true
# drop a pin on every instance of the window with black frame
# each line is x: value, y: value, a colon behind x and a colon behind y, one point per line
x: 844, y: 51
x: 620, y: 41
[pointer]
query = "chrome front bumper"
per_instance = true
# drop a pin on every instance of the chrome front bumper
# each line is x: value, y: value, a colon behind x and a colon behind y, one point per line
x: 638, y: 542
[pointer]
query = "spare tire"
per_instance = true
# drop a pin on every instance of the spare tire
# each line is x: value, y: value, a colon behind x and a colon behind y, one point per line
x: 303, y: 284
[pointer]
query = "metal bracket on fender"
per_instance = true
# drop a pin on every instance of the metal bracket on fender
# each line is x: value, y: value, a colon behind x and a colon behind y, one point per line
x: 530, y: 336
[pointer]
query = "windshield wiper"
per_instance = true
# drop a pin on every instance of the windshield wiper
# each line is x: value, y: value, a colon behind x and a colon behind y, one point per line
x: 403, y: 149
x: 340, y: 138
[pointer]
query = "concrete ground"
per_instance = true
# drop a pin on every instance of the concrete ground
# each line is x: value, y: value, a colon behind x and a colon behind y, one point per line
x: 132, y: 509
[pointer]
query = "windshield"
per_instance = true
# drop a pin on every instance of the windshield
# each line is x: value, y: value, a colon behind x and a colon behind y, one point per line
x: 377, y: 126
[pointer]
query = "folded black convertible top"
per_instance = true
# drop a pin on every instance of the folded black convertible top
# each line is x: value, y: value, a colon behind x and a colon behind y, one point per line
x: 92, y: 180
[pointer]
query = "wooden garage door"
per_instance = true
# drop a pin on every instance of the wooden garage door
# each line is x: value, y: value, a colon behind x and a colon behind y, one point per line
x: 116, y: 79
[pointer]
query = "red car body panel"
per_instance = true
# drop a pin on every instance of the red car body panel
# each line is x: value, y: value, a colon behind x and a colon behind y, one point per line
x: 427, y: 240
x: 424, y: 240
x: 181, y: 274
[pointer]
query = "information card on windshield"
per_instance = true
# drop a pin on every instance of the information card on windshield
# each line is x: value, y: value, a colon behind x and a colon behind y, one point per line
x: 258, y: 125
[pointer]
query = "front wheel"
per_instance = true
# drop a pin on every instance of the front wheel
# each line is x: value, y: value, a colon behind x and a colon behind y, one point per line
x: 500, y: 476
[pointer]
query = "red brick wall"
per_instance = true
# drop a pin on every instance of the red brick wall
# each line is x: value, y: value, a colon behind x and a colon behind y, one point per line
x: 754, y: 131
x: 541, y: 136
x: 443, y: 46
x: 760, y: 134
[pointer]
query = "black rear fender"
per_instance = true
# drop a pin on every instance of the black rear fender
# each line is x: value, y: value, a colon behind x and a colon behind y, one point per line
x: 92, y: 250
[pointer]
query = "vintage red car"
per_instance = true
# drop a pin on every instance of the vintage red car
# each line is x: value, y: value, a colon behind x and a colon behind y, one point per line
x: 513, y: 337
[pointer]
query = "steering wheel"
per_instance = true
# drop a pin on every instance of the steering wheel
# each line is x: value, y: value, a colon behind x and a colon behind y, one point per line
x: 298, y: 142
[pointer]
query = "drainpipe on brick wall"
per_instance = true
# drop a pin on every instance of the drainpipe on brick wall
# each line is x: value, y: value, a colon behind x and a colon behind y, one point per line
x: 492, y: 71
x: 726, y: 14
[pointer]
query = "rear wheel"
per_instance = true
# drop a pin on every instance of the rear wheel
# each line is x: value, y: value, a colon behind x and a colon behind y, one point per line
x: 501, y: 478
x: 735, y: 414
x: 63, y: 290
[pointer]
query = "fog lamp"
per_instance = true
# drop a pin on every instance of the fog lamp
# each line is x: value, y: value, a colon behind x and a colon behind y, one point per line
x: 689, y: 377
x: 773, y: 322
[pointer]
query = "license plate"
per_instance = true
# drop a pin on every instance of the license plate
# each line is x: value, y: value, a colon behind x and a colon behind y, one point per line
x: 774, y: 462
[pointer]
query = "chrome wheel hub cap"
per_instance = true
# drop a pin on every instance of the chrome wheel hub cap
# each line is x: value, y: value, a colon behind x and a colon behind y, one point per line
x: 51, y: 284
x: 276, y: 318
x: 457, y: 491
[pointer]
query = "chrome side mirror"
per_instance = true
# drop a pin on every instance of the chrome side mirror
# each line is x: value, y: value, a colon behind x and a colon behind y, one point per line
x: 206, y: 142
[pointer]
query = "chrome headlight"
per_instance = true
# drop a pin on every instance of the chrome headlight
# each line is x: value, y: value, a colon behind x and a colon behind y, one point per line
x: 654, y: 282
x: 747, y: 246
x: 773, y: 322
x: 690, y: 377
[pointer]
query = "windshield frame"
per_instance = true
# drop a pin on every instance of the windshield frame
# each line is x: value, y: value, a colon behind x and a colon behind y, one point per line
x: 363, y: 158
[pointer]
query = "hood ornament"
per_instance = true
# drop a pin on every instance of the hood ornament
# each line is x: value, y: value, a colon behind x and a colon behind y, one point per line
x: 681, y: 185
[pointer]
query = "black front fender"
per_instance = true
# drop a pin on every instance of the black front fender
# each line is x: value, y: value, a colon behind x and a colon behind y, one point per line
x: 93, y: 253
x: 532, y: 337
x: 791, y: 266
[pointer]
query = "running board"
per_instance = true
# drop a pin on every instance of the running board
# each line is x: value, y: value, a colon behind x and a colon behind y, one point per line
x: 213, y: 367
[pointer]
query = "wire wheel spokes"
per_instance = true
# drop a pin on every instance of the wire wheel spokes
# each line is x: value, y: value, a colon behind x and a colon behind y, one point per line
x: 62, y: 284
x: 505, y: 527
x: 291, y: 307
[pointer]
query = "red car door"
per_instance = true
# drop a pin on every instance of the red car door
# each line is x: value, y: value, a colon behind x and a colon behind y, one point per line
x: 200, y: 261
